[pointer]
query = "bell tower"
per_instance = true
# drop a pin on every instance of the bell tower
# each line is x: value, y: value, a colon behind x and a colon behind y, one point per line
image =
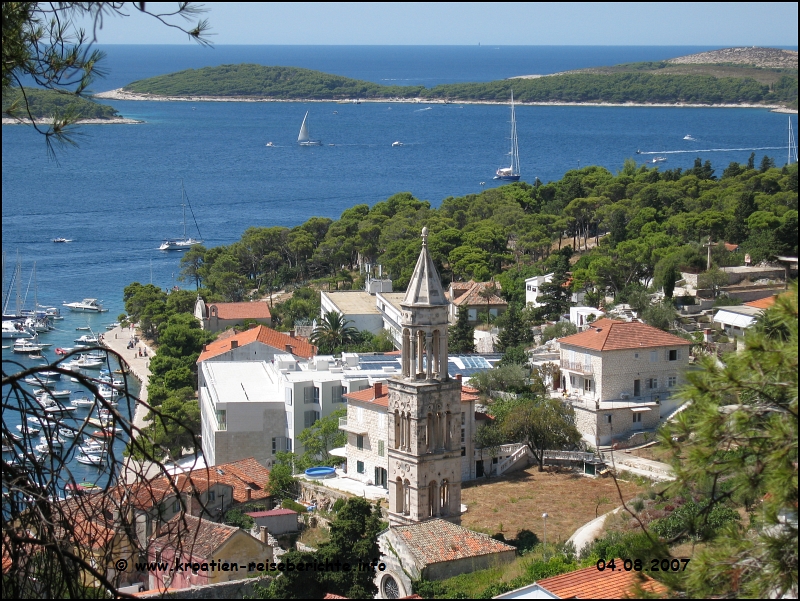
x: 424, y: 408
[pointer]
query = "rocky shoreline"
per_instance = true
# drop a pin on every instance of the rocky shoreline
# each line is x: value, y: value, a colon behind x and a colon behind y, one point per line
x: 112, y: 121
x: 121, y: 94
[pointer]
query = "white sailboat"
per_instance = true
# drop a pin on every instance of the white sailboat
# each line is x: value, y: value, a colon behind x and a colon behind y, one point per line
x: 303, y: 139
x: 511, y: 174
x: 185, y: 242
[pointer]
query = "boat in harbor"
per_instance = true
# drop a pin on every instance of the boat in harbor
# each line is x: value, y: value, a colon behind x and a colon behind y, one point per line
x: 689, y: 138
x: 26, y: 345
x: 96, y: 460
x: 14, y: 329
x: 83, y: 403
x: 87, y: 340
x: 303, y: 138
x: 397, y: 143
x: 185, y: 242
x: 61, y: 240
x: 659, y: 159
x: 87, y: 305
x: 511, y: 173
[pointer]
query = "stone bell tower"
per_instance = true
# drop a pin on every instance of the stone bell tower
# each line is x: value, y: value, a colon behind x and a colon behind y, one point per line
x: 424, y: 408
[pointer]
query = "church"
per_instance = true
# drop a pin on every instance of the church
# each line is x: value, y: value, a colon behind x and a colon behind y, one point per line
x: 424, y: 538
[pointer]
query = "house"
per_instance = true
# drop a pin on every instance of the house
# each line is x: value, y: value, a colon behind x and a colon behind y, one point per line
x: 620, y: 378
x: 532, y: 286
x: 434, y: 550
x: 207, y: 553
x: 257, y: 344
x: 736, y: 319
x: 591, y: 583
x: 366, y: 425
x: 356, y: 306
x: 468, y: 294
x: 276, y: 521
x: 582, y: 317
x: 216, y: 317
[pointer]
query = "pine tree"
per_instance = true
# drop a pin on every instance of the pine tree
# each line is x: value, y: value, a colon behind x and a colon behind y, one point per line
x: 461, y: 337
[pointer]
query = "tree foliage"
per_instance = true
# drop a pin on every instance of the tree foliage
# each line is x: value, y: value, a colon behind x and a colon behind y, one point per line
x: 461, y: 337
x: 740, y: 444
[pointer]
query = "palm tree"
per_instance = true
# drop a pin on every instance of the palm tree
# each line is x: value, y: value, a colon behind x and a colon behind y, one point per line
x: 333, y: 331
x: 488, y: 292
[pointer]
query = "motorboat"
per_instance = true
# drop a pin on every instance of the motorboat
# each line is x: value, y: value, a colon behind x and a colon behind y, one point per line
x: 27, y: 430
x: 87, y: 340
x: 52, y: 394
x: 396, y: 143
x: 111, y: 326
x: 689, y: 137
x: 61, y: 240
x: 95, y: 460
x: 87, y: 305
x: 84, y: 362
x: 185, y: 242
x: 270, y: 145
x: 659, y: 160
x: 66, y: 433
x: 15, y: 329
x: 25, y: 345
x: 511, y: 173
x: 84, y: 403
x: 303, y: 138
x: 43, y: 382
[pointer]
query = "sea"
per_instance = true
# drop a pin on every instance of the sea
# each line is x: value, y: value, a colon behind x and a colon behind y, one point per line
x: 117, y: 194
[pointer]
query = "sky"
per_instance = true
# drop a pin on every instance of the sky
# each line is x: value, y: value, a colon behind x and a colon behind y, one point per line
x: 462, y: 23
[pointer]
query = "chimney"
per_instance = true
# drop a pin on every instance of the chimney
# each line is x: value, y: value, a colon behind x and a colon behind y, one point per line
x: 262, y: 534
x: 291, y: 333
x: 247, y: 493
x: 378, y: 389
x: 288, y: 348
x: 234, y: 344
x: 707, y: 335
x: 459, y: 377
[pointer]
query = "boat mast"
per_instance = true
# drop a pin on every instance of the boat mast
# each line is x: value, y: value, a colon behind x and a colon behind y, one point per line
x: 792, y: 144
x: 183, y: 204
x: 514, y: 146
x: 19, y: 286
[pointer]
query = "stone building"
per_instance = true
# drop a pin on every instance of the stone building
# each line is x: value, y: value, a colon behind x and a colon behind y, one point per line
x: 257, y: 344
x: 468, y: 294
x: 620, y: 378
x: 216, y: 317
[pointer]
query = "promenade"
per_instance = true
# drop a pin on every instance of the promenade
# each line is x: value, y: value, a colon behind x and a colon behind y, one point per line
x: 117, y: 340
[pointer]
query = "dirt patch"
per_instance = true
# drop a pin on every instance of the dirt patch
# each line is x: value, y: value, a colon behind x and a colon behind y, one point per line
x: 515, y: 502
x: 657, y: 452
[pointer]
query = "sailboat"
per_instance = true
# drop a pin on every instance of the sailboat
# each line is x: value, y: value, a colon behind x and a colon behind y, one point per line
x: 303, y: 138
x: 183, y: 243
x: 511, y: 174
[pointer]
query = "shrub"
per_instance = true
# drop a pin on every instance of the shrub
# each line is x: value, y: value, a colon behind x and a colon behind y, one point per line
x: 293, y: 505
x: 337, y: 505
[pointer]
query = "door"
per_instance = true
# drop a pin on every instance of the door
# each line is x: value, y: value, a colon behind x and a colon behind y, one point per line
x: 637, y: 388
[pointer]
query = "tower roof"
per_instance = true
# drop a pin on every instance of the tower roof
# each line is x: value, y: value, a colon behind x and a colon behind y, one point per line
x: 425, y: 287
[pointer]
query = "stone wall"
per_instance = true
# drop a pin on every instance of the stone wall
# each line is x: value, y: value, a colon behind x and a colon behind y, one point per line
x: 236, y: 589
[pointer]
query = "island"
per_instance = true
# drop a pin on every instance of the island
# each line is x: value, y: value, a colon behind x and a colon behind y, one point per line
x: 730, y: 77
x: 45, y: 105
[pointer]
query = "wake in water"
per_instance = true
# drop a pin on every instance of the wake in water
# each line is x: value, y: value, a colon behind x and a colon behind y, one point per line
x: 709, y: 150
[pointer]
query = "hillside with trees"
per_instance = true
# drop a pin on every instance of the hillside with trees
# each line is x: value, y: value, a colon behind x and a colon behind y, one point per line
x: 44, y: 104
x: 615, y: 233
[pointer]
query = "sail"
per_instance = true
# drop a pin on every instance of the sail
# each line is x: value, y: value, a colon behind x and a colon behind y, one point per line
x: 303, y: 137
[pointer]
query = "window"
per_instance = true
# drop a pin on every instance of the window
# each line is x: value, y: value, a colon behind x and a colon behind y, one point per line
x: 672, y: 381
x: 336, y: 394
x: 289, y: 444
x: 652, y: 383
x: 360, y: 467
x: 473, y: 314
x: 463, y: 451
x: 309, y: 417
x: 380, y: 448
x: 493, y: 312
x: 588, y: 385
x: 359, y: 442
x: 608, y: 418
x: 176, y: 506
x: 212, y: 496
x: 675, y: 355
x: 310, y: 395
x: 288, y: 396
x: 462, y: 435
x: 274, y: 445
x: 222, y: 419
x: 463, y: 418
x: 637, y: 418
x: 635, y: 355
x: 653, y: 356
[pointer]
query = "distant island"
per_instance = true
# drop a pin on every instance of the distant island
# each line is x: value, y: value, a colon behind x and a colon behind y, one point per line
x: 44, y: 104
x: 732, y: 77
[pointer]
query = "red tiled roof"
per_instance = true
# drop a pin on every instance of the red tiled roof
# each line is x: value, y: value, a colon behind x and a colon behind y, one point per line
x: 731, y: 247
x: 197, y: 537
x: 472, y: 295
x: 589, y: 583
x: 254, y: 310
x: 271, y: 513
x: 610, y: 335
x: 376, y: 395
x: 437, y: 541
x: 264, y: 335
x: 763, y: 303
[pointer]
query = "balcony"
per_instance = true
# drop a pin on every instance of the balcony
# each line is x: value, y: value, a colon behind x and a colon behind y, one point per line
x: 580, y: 368
x: 354, y: 428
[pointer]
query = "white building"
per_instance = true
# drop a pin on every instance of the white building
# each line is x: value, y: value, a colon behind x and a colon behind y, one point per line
x: 582, y: 317
x: 620, y: 378
x: 532, y: 286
